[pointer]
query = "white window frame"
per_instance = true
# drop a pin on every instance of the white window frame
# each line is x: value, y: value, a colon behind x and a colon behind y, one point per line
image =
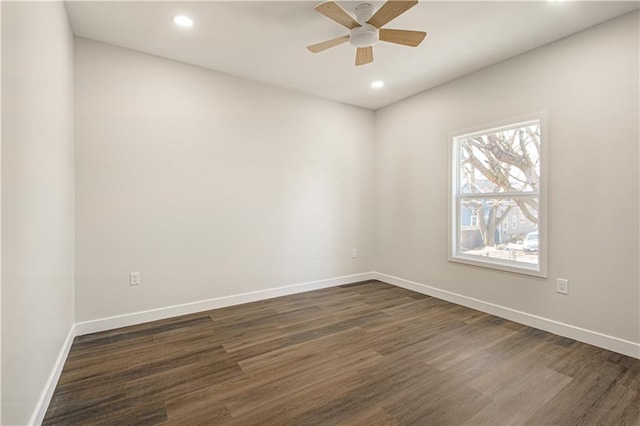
x: 539, y: 270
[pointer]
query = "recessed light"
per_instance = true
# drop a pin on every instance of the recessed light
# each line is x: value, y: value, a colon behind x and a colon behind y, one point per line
x: 554, y: 1
x: 183, y: 21
x: 378, y: 84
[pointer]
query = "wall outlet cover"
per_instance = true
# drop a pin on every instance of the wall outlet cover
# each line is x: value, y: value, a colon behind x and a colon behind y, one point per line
x: 134, y: 278
x: 562, y: 286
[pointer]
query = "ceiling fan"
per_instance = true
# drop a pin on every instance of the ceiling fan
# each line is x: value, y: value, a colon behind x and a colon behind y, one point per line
x: 367, y: 29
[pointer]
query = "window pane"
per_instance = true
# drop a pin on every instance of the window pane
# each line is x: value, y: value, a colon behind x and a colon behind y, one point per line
x: 496, y: 231
x: 500, y: 161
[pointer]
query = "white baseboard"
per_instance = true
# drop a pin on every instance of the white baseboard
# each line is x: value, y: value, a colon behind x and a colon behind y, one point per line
x: 52, y: 381
x: 134, y: 318
x: 611, y: 343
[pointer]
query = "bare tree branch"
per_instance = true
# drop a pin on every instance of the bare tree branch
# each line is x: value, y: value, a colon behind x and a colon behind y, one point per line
x: 509, y: 160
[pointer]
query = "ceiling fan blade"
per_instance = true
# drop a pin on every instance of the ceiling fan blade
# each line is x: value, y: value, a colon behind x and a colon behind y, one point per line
x: 333, y: 11
x: 404, y: 37
x: 390, y: 10
x: 364, y: 55
x: 319, y: 47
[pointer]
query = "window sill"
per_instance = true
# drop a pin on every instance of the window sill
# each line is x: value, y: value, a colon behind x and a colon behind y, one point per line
x: 501, y: 265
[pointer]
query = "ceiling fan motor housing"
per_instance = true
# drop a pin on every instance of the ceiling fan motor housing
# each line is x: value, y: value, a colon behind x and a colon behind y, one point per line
x: 364, y: 12
x: 363, y: 36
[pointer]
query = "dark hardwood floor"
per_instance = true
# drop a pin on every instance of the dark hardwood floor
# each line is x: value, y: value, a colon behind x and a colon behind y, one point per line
x: 363, y: 354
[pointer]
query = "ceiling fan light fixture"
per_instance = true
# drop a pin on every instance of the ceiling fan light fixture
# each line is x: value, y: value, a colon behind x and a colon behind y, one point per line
x: 363, y: 36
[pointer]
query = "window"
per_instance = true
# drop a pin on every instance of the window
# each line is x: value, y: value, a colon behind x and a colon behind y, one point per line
x: 498, y: 173
x: 473, y: 221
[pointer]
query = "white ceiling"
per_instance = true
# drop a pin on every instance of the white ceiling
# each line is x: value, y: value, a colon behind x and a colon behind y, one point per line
x: 265, y: 40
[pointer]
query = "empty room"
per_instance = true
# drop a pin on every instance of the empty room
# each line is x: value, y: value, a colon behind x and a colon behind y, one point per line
x: 320, y: 213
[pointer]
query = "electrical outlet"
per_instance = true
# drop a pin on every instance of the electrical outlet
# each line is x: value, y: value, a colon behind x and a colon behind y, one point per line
x: 134, y: 278
x: 354, y: 253
x: 562, y: 286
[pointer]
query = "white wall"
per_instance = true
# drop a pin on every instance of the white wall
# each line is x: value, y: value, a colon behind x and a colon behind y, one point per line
x: 37, y: 200
x: 210, y: 185
x: 588, y: 83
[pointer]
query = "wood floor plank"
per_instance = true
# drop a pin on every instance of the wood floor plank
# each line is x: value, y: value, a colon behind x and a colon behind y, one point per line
x: 564, y: 408
x: 620, y: 403
x: 304, y: 378
x: 361, y: 354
